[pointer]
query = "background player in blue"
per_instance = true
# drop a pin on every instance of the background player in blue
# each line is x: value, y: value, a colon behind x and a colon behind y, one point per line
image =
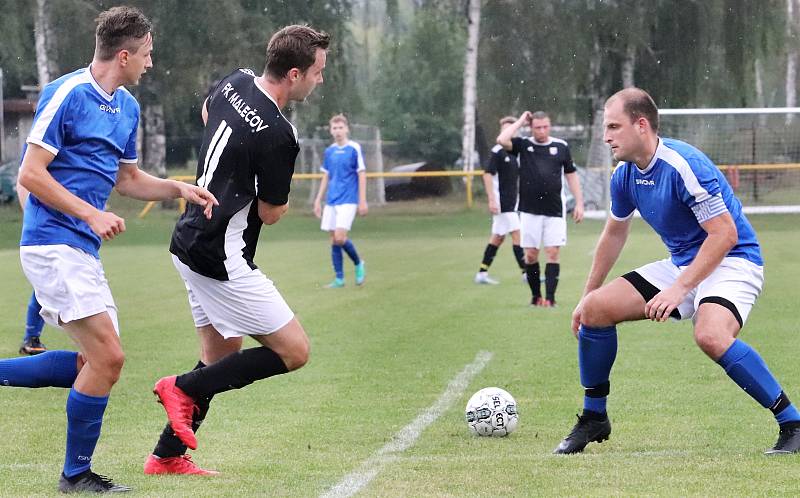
x: 247, y: 160
x: 501, y: 179
x: 543, y: 161
x: 83, y: 144
x: 714, y: 274
x: 34, y: 323
x: 344, y: 177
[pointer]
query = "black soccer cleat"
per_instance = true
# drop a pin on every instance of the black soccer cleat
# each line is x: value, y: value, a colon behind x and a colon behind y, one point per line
x: 32, y: 346
x: 788, y: 440
x: 588, y: 429
x: 89, y: 482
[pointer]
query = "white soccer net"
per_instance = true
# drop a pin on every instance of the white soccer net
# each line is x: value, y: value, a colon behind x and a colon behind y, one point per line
x: 312, y: 152
x: 758, y: 149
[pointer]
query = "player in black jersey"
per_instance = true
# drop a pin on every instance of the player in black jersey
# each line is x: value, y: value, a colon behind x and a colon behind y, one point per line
x: 501, y: 179
x: 542, y: 161
x: 247, y: 161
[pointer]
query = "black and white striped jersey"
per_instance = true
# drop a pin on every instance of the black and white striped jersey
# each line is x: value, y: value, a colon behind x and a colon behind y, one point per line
x: 248, y: 153
x: 504, y: 168
x: 541, y: 166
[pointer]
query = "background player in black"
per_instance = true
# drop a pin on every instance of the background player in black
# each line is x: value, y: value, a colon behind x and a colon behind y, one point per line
x: 542, y: 161
x: 247, y: 159
x: 501, y: 179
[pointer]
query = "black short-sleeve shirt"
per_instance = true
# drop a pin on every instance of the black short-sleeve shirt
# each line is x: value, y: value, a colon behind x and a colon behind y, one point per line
x: 248, y: 153
x: 503, y: 166
x: 540, y: 169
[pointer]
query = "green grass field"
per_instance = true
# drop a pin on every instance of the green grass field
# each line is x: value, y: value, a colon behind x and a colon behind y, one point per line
x: 384, y: 353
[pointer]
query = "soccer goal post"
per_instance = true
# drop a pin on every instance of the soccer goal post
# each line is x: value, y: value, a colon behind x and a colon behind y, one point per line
x: 758, y: 149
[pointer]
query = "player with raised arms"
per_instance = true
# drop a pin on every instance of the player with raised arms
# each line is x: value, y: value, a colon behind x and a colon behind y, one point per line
x: 713, y: 276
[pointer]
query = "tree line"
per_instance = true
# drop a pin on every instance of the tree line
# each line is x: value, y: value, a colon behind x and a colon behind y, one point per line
x: 400, y: 64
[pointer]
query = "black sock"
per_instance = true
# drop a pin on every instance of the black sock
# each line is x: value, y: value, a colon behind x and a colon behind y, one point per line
x: 533, y: 279
x: 551, y: 271
x: 488, y: 257
x: 235, y: 371
x: 168, y: 444
x: 519, y: 255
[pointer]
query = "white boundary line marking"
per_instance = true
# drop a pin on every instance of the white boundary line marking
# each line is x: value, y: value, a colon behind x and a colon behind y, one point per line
x: 408, y: 435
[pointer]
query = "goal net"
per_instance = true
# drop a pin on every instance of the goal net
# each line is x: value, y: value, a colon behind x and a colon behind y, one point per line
x: 758, y: 149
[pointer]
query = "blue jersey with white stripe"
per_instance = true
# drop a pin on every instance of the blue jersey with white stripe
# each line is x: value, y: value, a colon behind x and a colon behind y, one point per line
x: 342, y: 164
x: 90, y: 132
x: 679, y: 189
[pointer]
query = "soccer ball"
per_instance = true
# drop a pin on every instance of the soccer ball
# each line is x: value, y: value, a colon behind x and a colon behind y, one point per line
x: 492, y: 412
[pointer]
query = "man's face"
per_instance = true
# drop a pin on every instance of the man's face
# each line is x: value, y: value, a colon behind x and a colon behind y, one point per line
x: 339, y: 131
x: 139, y: 61
x: 625, y: 136
x: 540, y: 129
x: 306, y: 82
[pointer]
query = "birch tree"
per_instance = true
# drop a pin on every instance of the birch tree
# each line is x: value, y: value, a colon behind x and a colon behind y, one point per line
x: 792, y: 22
x: 45, y: 41
x: 470, y: 77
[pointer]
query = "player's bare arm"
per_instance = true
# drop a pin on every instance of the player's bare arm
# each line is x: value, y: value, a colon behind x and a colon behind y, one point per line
x: 137, y: 184
x: 38, y: 181
x: 722, y: 237
x: 362, y: 193
x: 271, y: 213
x: 323, y: 187
x: 608, y: 249
x: 494, y: 206
x: 504, y: 139
x: 574, y: 183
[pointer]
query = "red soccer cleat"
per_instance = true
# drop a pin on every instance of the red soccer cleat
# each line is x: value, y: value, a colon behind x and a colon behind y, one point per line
x: 179, y: 407
x: 175, y: 465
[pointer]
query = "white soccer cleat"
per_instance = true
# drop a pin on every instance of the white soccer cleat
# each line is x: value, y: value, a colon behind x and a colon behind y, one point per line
x: 483, y: 277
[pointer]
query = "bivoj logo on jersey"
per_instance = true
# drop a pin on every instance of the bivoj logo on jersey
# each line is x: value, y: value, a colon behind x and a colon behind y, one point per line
x: 111, y: 110
x: 649, y: 183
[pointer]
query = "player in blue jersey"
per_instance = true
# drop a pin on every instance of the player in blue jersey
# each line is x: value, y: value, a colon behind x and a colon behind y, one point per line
x: 344, y: 177
x: 81, y: 145
x: 714, y: 275
x: 34, y: 323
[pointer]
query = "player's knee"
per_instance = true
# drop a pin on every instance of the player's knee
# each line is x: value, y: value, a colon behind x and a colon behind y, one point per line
x: 110, y: 366
x: 711, y: 343
x: 298, y: 356
x: 594, y: 311
x: 339, y: 241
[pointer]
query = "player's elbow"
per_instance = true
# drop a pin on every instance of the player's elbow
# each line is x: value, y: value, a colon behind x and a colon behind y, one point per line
x: 26, y: 179
x: 271, y: 214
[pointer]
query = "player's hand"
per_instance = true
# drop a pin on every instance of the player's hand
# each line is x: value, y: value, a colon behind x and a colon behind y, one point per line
x: 106, y: 224
x: 363, y: 209
x: 494, y: 208
x: 577, y: 213
x: 662, y: 304
x: 526, y: 117
x: 317, y: 209
x: 576, y: 318
x: 200, y: 196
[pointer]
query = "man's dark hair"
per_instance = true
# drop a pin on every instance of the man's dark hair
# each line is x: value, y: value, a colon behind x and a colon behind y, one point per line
x: 539, y: 115
x: 294, y: 46
x: 120, y: 28
x: 637, y: 103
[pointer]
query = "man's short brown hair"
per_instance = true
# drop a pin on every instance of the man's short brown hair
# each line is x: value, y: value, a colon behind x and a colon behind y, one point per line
x: 294, y: 46
x: 339, y: 118
x: 120, y: 28
x: 539, y: 115
x: 637, y: 103
x: 507, y: 120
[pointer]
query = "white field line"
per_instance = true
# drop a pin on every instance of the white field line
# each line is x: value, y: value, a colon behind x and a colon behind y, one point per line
x: 405, y: 438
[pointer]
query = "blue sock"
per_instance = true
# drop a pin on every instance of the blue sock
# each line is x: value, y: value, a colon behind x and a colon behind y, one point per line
x: 49, y: 369
x: 33, y: 320
x: 336, y: 257
x: 597, y: 350
x: 350, y: 249
x: 84, y: 419
x: 744, y: 365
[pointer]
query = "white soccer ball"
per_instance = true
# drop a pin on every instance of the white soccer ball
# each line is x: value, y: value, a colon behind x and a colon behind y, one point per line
x: 492, y: 412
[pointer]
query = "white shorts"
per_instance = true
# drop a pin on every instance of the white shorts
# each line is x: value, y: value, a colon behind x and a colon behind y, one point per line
x: 246, y: 305
x: 736, y: 280
x: 69, y: 283
x: 338, y: 216
x: 543, y: 231
x: 504, y: 223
